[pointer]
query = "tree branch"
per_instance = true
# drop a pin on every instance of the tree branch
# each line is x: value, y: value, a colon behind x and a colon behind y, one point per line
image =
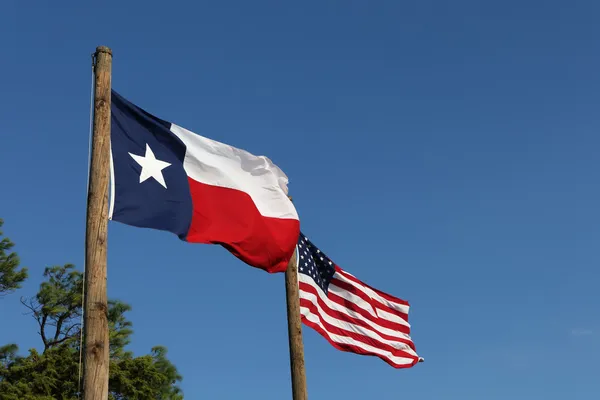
x: 66, y: 336
x: 59, y: 323
x: 42, y: 331
x: 42, y: 322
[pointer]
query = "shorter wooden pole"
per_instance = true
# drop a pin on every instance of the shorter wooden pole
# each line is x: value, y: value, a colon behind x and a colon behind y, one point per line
x: 299, y: 390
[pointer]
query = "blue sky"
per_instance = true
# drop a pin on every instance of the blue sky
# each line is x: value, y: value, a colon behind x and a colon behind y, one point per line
x: 444, y: 152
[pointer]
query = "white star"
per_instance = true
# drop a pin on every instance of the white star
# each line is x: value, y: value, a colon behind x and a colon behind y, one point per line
x: 151, y: 167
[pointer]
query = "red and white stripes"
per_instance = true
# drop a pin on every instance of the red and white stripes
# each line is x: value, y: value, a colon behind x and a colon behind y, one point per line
x: 357, y: 318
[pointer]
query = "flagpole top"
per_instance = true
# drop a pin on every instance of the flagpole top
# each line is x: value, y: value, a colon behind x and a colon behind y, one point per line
x: 103, y: 49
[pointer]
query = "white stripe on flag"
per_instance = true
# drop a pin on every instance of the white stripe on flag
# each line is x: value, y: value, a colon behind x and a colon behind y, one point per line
x: 353, y: 314
x: 352, y: 327
x: 348, y: 340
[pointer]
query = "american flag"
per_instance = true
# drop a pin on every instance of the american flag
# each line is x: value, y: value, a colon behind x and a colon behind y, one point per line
x: 351, y: 315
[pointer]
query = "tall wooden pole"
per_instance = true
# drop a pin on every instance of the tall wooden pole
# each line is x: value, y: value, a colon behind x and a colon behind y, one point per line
x: 299, y: 391
x: 95, y: 370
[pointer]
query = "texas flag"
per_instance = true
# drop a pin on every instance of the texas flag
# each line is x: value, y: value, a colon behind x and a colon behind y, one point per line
x: 168, y: 178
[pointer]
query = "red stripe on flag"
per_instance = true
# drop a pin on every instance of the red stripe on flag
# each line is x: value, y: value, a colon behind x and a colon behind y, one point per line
x: 347, y: 289
x: 230, y: 218
x: 373, y: 327
x: 356, y: 336
x: 354, y: 348
x: 379, y: 292
x: 353, y: 308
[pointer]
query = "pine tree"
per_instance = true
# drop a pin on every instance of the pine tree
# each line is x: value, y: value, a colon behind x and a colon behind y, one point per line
x: 11, y: 277
x: 53, y: 373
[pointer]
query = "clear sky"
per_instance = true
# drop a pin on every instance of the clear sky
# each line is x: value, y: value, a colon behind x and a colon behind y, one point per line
x: 444, y: 152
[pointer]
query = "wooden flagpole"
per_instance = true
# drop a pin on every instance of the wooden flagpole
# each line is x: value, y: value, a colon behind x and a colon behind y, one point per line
x: 96, y: 355
x: 298, y: 372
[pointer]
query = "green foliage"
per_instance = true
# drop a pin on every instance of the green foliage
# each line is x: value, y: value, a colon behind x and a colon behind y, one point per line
x: 57, y: 305
x: 120, y: 329
x: 11, y: 277
x: 53, y: 373
x: 8, y: 354
x: 154, y: 378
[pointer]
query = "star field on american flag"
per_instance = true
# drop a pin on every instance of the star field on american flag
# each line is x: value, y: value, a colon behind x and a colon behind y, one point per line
x: 314, y: 263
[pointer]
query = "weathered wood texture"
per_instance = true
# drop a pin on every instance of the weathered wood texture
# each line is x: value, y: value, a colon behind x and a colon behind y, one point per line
x: 299, y: 390
x: 95, y: 373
